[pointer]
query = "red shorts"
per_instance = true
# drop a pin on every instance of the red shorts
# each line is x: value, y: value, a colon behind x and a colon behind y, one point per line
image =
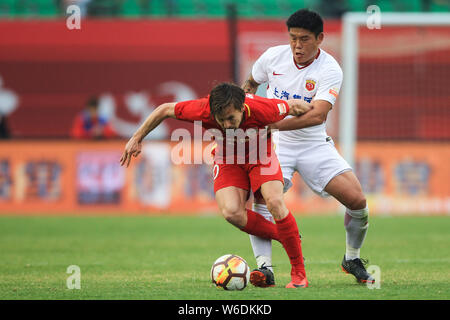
x: 246, y: 176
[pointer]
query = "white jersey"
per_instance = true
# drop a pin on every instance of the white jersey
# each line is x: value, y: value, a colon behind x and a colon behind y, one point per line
x: 320, y: 80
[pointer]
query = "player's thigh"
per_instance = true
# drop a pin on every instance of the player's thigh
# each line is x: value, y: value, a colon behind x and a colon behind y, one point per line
x: 262, y: 173
x: 231, y: 200
x: 287, y: 174
x: 272, y: 190
x: 231, y: 188
x: 346, y: 188
x: 318, y: 163
x: 272, y: 193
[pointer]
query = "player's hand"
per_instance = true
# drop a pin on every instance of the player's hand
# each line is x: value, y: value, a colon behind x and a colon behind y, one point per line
x: 298, y: 107
x: 264, y: 133
x: 132, y: 148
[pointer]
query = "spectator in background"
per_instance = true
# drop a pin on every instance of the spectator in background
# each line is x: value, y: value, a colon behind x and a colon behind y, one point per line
x: 104, y: 8
x: 9, y: 101
x: 335, y: 9
x: 4, y: 129
x: 90, y: 124
x: 83, y: 4
x: 147, y: 7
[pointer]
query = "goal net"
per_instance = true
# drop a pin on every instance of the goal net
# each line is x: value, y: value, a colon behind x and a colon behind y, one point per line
x: 394, y: 121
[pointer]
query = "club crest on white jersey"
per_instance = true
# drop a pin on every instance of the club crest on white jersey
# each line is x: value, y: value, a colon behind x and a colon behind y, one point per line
x: 320, y: 80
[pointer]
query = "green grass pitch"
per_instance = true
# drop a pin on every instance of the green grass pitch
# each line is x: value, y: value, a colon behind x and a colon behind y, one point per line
x: 169, y: 257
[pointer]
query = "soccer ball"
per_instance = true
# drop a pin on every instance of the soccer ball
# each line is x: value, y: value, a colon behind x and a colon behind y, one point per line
x: 230, y: 272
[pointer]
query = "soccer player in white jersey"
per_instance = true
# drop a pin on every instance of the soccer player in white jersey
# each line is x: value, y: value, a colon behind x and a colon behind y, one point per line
x: 304, y: 71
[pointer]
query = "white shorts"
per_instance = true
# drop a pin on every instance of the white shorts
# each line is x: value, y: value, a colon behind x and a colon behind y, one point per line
x: 317, y: 162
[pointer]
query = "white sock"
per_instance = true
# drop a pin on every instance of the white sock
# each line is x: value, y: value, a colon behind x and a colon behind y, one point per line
x: 356, y: 224
x: 262, y: 248
x: 351, y: 253
x: 264, y: 261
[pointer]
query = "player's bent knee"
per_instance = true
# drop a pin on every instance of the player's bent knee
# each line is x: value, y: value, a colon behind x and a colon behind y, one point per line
x: 358, y: 202
x: 359, y: 214
x: 235, y: 216
x: 237, y: 221
x: 276, y: 206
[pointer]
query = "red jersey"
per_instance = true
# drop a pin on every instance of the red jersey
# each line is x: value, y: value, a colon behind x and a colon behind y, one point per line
x: 87, y: 127
x: 258, y: 113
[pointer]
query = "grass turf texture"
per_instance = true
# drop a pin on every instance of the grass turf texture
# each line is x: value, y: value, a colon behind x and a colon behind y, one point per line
x: 170, y: 258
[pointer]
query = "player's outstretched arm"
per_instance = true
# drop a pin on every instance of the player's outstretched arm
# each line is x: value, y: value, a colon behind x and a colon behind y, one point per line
x: 134, y: 145
x: 317, y: 115
x: 250, y: 85
x: 297, y: 107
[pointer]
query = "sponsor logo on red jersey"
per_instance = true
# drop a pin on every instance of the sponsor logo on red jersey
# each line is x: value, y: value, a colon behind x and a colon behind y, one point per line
x: 281, y: 108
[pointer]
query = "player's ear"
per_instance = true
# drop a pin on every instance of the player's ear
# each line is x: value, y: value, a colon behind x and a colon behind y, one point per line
x: 320, y: 37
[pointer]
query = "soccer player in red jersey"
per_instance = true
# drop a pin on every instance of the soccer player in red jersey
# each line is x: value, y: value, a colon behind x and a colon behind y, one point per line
x: 228, y: 109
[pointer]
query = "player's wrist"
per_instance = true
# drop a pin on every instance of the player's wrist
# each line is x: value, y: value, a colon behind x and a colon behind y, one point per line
x: 138, y: 136
x: 272, y: 127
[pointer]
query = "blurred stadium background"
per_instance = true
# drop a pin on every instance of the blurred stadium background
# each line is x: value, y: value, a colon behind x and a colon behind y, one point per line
x: 135, y: 54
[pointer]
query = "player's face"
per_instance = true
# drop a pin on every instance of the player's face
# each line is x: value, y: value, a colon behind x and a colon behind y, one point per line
x: 230, y: 118
x: 304, y: 44
x: 92, y: 110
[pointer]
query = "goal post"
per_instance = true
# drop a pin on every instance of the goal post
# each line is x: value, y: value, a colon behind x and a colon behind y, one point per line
x: 351, y: 22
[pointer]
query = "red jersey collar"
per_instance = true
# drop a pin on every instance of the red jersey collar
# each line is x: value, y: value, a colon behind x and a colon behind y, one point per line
x: 306, y: 65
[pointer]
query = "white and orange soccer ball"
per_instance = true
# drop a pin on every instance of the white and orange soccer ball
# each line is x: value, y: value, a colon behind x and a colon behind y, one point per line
x: 230, y: 272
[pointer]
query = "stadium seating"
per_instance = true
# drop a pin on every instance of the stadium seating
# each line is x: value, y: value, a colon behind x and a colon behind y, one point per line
x: 211, y: 8
x: 130, y: 8
x: 29, y: 8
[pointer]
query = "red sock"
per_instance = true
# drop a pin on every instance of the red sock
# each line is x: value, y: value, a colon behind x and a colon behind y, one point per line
x: 257, y: 225
x: 289, y: 238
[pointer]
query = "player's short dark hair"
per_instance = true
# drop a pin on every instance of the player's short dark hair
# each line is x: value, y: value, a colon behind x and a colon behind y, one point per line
x: 92, y: 102
x: 306, y: 19
x: 223, y: 95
